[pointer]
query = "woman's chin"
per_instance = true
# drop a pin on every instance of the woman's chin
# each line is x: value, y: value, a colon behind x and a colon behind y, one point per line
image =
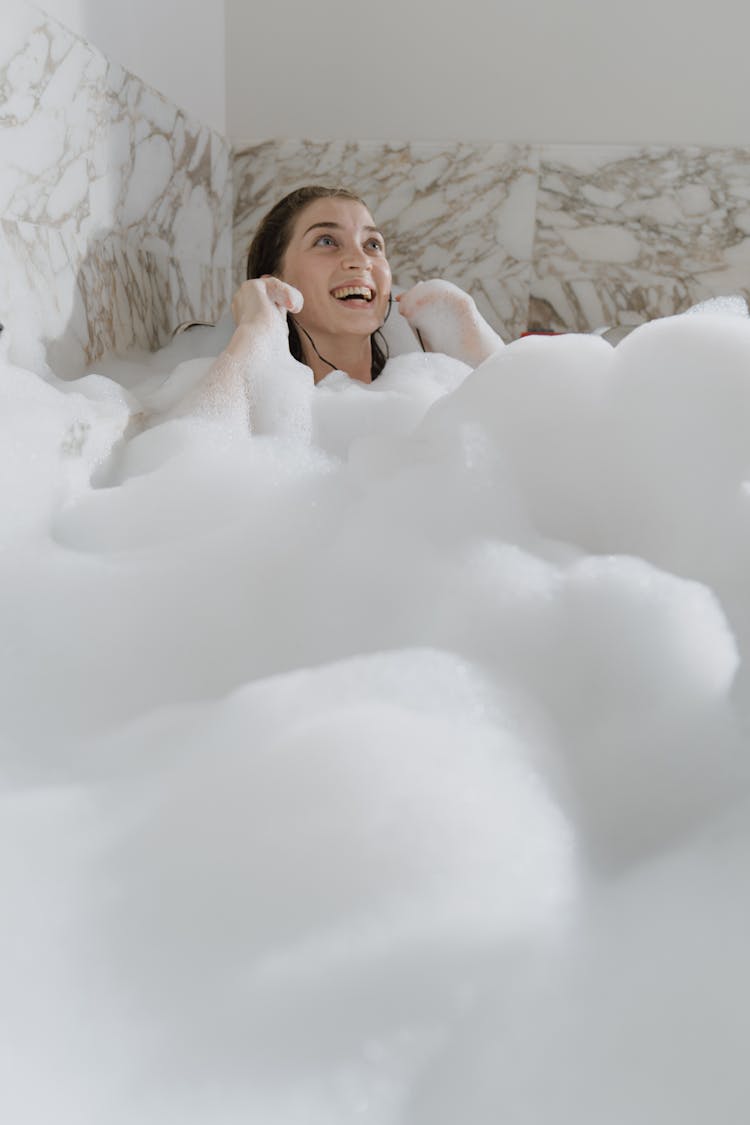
x: 358, y: 318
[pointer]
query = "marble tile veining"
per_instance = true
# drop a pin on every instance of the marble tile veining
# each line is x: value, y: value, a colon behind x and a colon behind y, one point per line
x: 553, y: 237
x: 110, y: 190
x: 101, y: 296
x: 460, y: 211
x: 627, y: 234
x: 222, y: 198
x: 51, y: 120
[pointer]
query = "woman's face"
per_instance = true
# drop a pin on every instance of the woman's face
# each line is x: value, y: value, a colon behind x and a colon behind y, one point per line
x: 335, y: 247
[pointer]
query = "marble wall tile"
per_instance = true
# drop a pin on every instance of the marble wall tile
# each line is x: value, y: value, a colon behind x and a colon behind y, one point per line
x: 551, y: 237
x: 99, y: 296
x: 160, y: 171
x: 126, y: 294
x: 113, y: 194
x: 222, y: 199
x: 51, y: 120
x: 460, y: 211
x: 38, y: 275
x: 84, y: 142
x: 191, y: 286
x: 626, y: 234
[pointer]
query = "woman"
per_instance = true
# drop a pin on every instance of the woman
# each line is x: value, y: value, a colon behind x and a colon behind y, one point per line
x: 319, y: 288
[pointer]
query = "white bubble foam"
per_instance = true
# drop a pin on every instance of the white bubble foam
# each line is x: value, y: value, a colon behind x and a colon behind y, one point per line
x: 341, y: 758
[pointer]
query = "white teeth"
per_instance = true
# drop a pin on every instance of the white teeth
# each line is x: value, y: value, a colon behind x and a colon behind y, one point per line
x: 350, y: 290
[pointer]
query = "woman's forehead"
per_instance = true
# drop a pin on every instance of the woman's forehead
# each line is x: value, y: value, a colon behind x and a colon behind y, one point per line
x: 345, y: 212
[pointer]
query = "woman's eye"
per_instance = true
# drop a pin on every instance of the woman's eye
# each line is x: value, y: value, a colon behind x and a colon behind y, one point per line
x: 376, y: 244
x: 326, y: 240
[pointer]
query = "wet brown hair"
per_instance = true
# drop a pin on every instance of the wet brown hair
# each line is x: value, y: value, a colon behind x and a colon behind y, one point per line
x: 270, y: 243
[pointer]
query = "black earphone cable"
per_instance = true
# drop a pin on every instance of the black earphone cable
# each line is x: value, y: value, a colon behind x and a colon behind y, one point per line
x: 312, y: 342
x: 322, y: 357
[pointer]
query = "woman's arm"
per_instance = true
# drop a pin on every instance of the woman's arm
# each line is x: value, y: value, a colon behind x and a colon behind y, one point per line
x: 260, y: 340
x: 449, y: 321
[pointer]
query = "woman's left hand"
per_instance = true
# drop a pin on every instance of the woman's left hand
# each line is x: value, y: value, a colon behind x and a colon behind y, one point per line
x: 449, y: 321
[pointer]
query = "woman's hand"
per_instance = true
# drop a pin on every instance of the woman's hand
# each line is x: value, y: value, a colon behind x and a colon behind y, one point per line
x: 449, y: 321
x: 258, y: 348
x: 259, y: 308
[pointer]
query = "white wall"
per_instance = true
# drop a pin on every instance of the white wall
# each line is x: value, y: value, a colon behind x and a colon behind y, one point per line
x: 548, y: 70
x: 177, y: 46
x: 533, y: 70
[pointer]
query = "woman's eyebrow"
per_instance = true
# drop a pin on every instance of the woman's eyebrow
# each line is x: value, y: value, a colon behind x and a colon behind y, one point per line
x: 326, y: 226
x: 335, y: 226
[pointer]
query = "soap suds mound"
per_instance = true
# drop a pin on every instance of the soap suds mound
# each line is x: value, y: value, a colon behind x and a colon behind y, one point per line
x: 391, y: 768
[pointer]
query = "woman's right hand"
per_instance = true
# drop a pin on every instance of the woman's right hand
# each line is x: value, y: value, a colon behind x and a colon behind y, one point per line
x: 259, y: 308
x: 263, y: 302
x: 260, y: 343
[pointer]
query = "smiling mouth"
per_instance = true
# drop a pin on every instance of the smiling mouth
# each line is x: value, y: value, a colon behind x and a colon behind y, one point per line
x: 357, y: 295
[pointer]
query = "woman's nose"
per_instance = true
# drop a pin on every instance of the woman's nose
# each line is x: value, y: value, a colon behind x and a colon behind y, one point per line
x: 355, y: 257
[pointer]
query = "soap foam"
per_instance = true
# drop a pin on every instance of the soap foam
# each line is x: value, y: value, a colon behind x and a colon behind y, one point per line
x: 389, y: 766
